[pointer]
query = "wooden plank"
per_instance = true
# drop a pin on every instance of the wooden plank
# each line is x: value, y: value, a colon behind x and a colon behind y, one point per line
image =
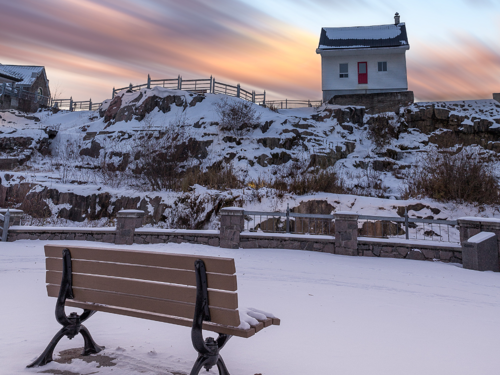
x: 245, y: 333
x: 276, y: 321
x: 130, y: 271
x: 267, y: 322
x: 145, y: 258
x: 258, y: 327
x: 216, y: 298
x: 158, y: 306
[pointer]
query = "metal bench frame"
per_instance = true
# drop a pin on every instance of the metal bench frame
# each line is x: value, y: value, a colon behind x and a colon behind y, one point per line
x: 208, y: 349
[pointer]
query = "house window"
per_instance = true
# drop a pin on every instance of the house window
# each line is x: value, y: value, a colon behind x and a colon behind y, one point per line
x: 39, y: 91
x: 343, y: 70
x: 382, y: 66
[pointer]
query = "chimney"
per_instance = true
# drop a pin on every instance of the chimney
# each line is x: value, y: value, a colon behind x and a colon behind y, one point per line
x: 396, y: 19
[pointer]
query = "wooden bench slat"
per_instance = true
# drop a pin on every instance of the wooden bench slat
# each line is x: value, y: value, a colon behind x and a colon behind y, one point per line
x: 245, y: 333
x: 167, y: 275
x: 267, y: 322
x: 276, y: 321
x: 258, y: 327
x: 145, y: 258
x: 226, y: 300
x: 183, y: 310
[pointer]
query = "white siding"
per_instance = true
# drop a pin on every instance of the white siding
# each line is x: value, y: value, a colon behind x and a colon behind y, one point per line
x: 394, y: 78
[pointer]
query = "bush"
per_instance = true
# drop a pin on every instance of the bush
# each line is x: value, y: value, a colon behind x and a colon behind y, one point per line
x: 464, y: 177
x: 381, y: 131
x: 236, y: 115
x: 220, y: 176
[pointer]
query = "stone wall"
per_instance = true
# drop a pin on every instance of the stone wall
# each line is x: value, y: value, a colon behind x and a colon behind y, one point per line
x: 107, y: 235
x: 150, y: 236
x: 376, y: 103
x: 370, y: 247
x: 323, y: 244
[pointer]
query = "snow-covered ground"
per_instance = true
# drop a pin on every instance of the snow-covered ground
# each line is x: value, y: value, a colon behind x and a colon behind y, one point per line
x: 339, y: 315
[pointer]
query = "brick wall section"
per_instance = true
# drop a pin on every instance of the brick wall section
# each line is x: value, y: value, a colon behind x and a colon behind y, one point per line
x: 376, y: 103
x: 323, y: 244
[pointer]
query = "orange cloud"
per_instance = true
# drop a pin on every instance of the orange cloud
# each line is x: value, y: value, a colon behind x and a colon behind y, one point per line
x: 466, y: 70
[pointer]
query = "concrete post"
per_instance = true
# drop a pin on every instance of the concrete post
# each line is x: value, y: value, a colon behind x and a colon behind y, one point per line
x: 15, y: 216
x: 232, y: 223
x: 470, y: 226
x: 346, y: 233
x: 480, y: 252
x: 126, y: 222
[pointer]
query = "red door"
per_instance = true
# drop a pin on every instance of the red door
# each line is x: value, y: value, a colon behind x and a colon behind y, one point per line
x: 362, y: 72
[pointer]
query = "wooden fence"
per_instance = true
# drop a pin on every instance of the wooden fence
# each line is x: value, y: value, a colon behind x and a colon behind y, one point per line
x: 201, y: 86
x: 71, y: 105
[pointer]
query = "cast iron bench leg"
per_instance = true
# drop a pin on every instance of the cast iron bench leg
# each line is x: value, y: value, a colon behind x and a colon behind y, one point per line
x: 72, y: 324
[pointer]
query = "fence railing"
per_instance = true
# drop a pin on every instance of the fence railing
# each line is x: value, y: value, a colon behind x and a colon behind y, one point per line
x: 4, y: 225
x: 20, y: 93
x: 368, y: 225
x: 289, y: 104
x: 71, y: 105
x: 202, y: 85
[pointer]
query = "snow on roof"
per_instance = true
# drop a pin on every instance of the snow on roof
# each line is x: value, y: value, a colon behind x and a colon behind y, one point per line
x: 24, y: 72
x: 363, y: 36
x: 9, y: 75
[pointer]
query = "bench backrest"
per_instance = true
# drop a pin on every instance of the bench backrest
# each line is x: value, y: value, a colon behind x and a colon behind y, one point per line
x: 144, y: 284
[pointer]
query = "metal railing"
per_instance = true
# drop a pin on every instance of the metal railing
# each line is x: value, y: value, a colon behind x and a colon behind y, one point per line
x: 202, y: 85
x: 289, y: 104
x: 4, y: 225
x: 368, y: 225
x: 288, y: 222
x: 408, y: 228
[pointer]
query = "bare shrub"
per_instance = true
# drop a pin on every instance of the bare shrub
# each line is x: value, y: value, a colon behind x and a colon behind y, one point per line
x: 464, y: 177
x: 219, y: 176
x: 296, y: 178
x: 236, y: 115
x: 272, y: 107
x: 381, y: 130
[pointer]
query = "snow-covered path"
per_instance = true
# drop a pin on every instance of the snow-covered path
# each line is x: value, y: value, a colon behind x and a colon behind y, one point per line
x: 340, y: 315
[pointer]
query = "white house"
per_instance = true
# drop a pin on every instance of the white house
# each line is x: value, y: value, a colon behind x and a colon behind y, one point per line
x: 363, y: 59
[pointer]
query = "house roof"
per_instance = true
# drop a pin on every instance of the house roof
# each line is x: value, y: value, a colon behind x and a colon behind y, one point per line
x: 8, y: 77
x: 380, y: 36
x: 27, y: 73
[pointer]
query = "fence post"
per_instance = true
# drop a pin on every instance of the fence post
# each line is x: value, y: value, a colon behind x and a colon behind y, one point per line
x: 4, y: 88
x: 346, y: 233
x: 232, y: 223
x: 213, y: 85
x: 238, y: 90
x: 5, y: 226
x: 90, y: 104
x: 253, y: 96
x: 286, y: 103
x: 130, y: 86
x: 406, y: 223
x: 113, y: 96
x: 149, y: 82
x: 264, y: 98
x: 179, y: 82
x: 210, y: 85
x: 288, y: 218
x: 71, y: 104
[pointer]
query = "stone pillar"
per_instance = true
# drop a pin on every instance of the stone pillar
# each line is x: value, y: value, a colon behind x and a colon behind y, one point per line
x: 232, y: 223
x: 480, y: 252
x: 496, y: 96
x: 470, y: 226
x: 15, y: 216
x: 126, y: 222
x: 346, y: 233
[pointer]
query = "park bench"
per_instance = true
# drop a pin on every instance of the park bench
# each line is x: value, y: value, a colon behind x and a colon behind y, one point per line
x: 187, y: 290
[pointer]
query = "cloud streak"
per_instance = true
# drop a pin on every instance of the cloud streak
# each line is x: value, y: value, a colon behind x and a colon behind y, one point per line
x: 89, y: 46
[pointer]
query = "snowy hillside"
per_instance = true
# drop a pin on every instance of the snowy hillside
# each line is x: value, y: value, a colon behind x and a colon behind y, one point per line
x: 84, y: 166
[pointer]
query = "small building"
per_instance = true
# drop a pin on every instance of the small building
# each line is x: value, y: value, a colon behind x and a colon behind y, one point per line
x: 30, y: 90
x: 363, y: 59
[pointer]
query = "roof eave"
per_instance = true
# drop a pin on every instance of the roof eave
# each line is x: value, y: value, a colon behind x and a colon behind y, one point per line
x: 321, y: 51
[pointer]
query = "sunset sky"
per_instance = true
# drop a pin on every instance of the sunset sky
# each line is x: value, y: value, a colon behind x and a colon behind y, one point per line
x: 90, y: 46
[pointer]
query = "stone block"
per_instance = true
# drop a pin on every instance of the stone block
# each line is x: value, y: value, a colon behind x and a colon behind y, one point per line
x: 249, y: 245
x: 202, y: 240
x: 213, y: 242
x: 329, y: 248
x: 156, y: 239
x: 108, y: 238
x: 263, y: 244
x: 402, y: 250
x: 430, y: 254
x: 415, y: 255
x: 445, y: 255
x: 480, y: 252
x: 368, y: 253
x: 44, y: 237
